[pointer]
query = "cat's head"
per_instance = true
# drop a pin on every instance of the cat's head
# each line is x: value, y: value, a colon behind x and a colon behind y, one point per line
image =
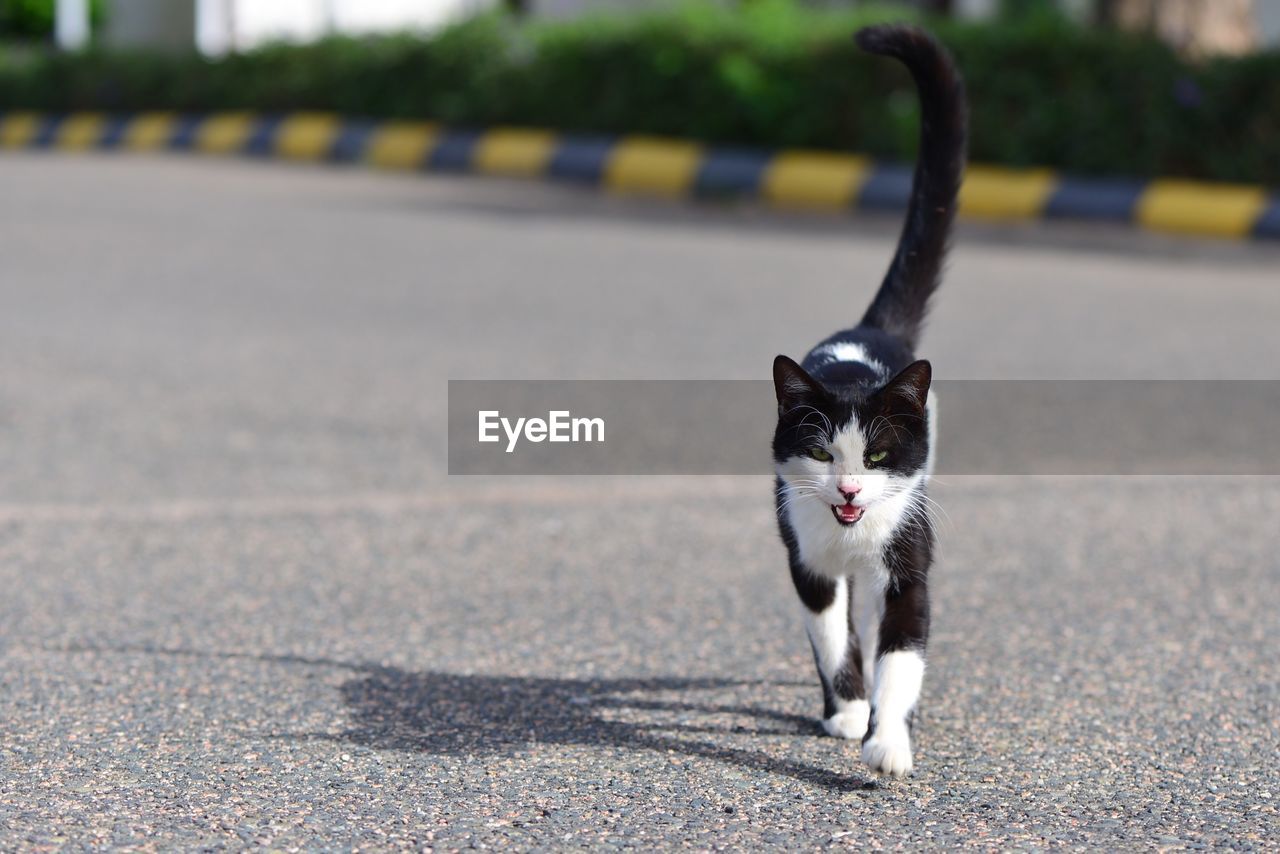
x: 853, y: 456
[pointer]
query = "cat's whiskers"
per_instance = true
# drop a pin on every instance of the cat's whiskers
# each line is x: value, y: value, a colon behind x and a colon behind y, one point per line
x: 800, y: 488
x: 812, y: 410
x: 878, y: 425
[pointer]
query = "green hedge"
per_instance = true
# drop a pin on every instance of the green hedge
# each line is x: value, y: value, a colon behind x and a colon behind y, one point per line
x: 1043, y: 92
x: 33, y: 19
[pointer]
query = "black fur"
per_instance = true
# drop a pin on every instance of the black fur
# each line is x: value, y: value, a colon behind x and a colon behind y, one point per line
x: 848, y: 685
x: 905, y: 624
x: 900, y: 306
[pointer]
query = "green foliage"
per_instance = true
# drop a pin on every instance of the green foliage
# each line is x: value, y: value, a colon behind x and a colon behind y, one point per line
x: 26, y: 18
x: 766, y: 73
x: 33, y: 19
x: 1021, y: 10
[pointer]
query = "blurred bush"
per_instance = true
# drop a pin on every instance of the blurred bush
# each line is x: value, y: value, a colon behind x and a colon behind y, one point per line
x: 33, y: 19
x: 770, y: 74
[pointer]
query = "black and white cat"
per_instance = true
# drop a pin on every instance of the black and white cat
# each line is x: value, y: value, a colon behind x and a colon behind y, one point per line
x: 853, y: 450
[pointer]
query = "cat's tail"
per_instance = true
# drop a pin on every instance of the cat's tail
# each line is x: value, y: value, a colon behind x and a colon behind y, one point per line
x: 900, y: 305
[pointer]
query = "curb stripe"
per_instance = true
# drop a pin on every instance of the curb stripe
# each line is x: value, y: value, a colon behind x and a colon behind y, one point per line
x: 184, y: 132
x: 581, y: 159
x: 1105, y: 200
x: 659, y: 166
x: 990, y: 192
x: 224, y: 133
x: 731, y: 172
x: 149, y: 131
x: 80, y: 131
x: 113, y: 131
x: 453, y: 150
x: 306, y: 136
x: 508, y: 151
x: 1196, y: 208
x: 401, y: 145
x: 260, y: 141
x: 46, y: 132
x: 19, y: 129
x: 888, y: 188
x: 1269, y: 223
x: 351, y: 142
x: 652, y: 166
x: 807, y: 179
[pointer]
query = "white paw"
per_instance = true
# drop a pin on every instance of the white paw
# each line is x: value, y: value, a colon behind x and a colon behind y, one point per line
x: 849, y: 722
x: 889, y: 751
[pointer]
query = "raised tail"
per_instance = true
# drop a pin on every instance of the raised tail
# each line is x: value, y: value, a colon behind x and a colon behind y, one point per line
x: 900, y: 305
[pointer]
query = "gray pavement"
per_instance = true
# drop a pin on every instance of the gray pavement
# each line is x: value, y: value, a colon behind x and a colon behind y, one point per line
x: 244, y: 605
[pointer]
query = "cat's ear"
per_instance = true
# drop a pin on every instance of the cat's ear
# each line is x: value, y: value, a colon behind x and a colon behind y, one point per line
x: 793, y: 385
x: 909, y: 390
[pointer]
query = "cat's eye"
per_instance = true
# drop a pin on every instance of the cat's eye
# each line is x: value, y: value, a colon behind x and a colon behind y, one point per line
x: 877, y: 456
x: 820, y: 455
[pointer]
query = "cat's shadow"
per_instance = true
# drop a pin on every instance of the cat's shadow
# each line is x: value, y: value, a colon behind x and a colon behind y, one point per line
x: 450, y: 713
x: 444, y: 714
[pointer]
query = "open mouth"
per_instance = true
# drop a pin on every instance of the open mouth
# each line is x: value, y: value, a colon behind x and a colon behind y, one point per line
x: 846, y: 514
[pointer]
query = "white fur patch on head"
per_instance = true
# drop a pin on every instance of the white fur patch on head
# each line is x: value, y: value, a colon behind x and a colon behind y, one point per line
x: 848, y: 351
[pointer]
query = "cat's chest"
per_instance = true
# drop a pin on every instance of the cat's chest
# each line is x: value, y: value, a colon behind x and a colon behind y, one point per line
x: 859, y: 554
x: 864, y: 566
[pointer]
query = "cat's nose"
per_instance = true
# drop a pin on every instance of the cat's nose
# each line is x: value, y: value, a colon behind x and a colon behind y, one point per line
x: 850, y: 491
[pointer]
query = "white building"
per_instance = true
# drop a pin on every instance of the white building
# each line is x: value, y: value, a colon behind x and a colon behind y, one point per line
x: 218, y: 26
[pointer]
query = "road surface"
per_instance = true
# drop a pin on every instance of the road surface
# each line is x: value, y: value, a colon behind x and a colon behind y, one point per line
x: 244, y: 604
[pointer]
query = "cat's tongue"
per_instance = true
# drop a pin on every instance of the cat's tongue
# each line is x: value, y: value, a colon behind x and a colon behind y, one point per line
x: 847, y: 512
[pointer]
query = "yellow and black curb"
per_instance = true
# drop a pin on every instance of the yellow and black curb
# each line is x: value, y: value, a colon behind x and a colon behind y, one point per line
x: 633, y: 164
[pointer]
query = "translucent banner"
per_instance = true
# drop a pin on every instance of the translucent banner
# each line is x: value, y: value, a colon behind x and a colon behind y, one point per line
x: 984, y: 427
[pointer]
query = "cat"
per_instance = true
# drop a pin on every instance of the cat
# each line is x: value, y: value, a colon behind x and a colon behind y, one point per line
x: 854, y: 449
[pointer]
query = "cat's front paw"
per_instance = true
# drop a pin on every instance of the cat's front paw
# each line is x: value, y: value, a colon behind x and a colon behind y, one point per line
x: 889, y: 751
x: 849, y: 722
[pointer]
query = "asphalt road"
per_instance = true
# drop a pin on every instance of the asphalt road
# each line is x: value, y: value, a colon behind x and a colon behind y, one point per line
x: 243, y: 603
